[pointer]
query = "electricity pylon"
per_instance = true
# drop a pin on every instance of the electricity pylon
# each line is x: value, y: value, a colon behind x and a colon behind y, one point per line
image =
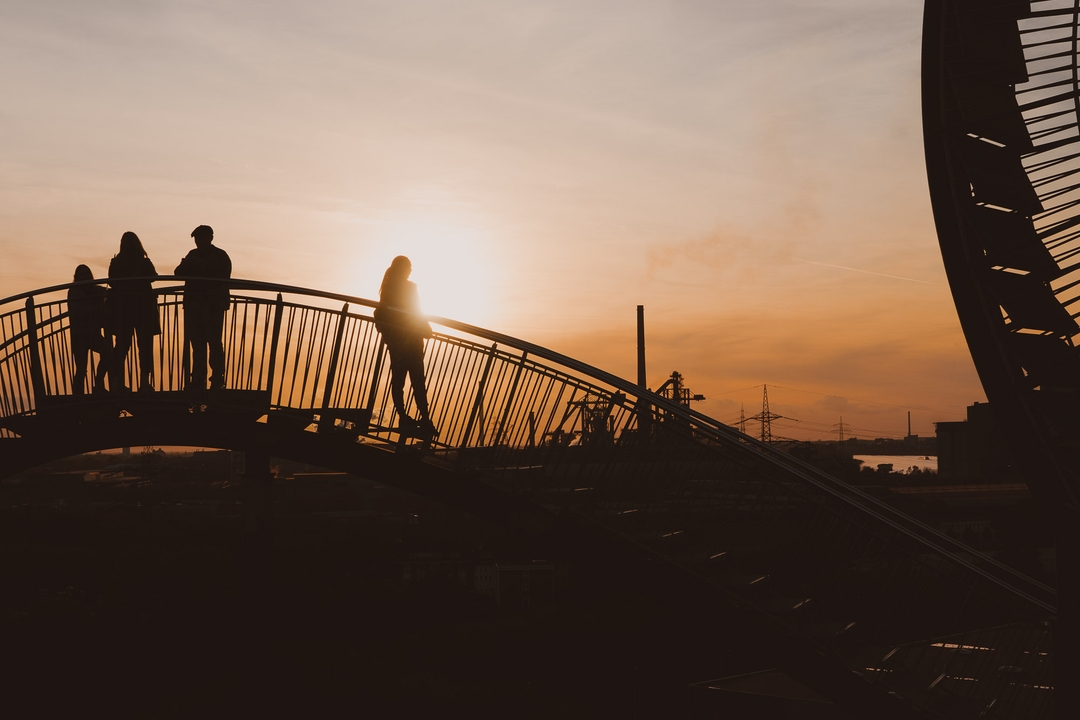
x: 840, y: 427
x: 765, y: 417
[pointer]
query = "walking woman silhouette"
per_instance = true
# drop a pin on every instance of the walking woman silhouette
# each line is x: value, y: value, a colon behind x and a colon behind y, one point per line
x: 404, y: 328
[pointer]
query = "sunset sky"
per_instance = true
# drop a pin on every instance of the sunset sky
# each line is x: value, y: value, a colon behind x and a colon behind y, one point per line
x: 751, y: 172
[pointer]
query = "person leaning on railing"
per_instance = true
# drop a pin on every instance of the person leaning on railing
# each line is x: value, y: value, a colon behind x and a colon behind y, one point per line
x: 86, y: 316
x: 205, y: 303
x: 132, y: 311
x: 404, y: 328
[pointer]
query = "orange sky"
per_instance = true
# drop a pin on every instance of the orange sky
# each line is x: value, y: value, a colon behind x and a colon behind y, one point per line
x: 750, y: 172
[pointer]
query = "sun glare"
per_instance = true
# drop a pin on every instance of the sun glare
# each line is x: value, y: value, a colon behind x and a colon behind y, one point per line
x: 453, y: 265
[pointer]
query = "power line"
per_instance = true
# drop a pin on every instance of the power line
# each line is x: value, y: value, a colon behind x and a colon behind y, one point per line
x: 849, y: 399
x: 870, y: 402
x: 766, y: 417
x: 730, y: 392
x: 921, y: 408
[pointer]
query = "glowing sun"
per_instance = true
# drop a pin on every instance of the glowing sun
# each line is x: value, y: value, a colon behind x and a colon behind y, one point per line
x: 453, y: 266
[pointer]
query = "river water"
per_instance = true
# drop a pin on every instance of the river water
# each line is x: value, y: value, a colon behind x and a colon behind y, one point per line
x: 900, y: 463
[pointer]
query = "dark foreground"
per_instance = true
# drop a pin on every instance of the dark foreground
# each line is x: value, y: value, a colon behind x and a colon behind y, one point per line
x: 152, y: 600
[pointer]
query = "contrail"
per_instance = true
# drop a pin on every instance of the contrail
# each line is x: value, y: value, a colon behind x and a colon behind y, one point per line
x: 868, y: 272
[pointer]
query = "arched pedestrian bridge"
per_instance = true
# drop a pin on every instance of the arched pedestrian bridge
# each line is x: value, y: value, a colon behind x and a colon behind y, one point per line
x: 884, y: 615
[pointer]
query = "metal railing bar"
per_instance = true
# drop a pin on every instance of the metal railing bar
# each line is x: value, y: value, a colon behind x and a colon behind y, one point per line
x: 335, y: 352
x: 272, y: 365
x: 376, y: 370
x: 479, y: 401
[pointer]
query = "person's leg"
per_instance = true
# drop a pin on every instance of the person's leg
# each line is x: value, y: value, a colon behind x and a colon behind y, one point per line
x: 419, y: 388
x: 81, y: 350
x: 398, y: 371
x: 120, y: 353
x: 196, y: 336
x: 198, y: 361
x: 102, y: 345
x: 146, y: 361
x: 215, y: 321
x: 189, y: 348
x: 415, y: 366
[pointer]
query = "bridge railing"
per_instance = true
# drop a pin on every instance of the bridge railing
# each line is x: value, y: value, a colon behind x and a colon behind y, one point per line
x: 315, y: 357
x: 888, y: 597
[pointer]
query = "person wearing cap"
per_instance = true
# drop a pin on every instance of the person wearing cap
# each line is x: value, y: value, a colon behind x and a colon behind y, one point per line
x: 206, y: 298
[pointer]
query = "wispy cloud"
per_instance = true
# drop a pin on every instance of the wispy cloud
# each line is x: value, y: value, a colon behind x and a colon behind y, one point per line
x: 867, y: 272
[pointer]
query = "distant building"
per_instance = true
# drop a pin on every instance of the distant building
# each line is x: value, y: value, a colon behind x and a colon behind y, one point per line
x: 909, y: 445
x: 973, y: 450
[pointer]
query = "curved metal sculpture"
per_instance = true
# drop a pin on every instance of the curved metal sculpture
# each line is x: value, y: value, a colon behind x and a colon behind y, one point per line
x: 1001, y: 119
x: 881, y: 613
x: 1000, y: 102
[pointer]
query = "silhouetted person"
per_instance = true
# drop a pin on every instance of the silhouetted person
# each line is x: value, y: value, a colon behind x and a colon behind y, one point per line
x: 86, y: 315
x: 132, y: 310
x: 205, y: 303
x: 403, y: 328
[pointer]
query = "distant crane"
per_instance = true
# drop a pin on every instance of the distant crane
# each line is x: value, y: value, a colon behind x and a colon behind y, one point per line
x: 674, y: 389
x: 597, y: 424
x: 593, y: 414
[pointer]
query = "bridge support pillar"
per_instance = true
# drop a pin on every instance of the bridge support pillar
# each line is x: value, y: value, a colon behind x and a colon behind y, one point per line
x: 257, y: 648
x: 1067, y: 632
x: 258, y: 505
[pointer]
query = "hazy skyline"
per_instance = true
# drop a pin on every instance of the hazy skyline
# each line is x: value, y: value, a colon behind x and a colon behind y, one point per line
x: 751, y: 173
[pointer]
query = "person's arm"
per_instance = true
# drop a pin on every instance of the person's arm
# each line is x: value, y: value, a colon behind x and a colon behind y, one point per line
x: 95, y: 301
x: 183, y: 268
x: 224, y: 264
x: 75, y: 308
x: 150, y: 269
x: 419, y: 322
x: 412, y: 300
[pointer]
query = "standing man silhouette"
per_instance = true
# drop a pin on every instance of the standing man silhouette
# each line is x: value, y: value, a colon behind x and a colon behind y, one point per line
x: 206, y: 299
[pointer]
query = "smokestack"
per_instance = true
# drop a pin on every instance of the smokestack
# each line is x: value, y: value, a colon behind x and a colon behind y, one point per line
x: 909, y: 423
x: 641, y: 347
